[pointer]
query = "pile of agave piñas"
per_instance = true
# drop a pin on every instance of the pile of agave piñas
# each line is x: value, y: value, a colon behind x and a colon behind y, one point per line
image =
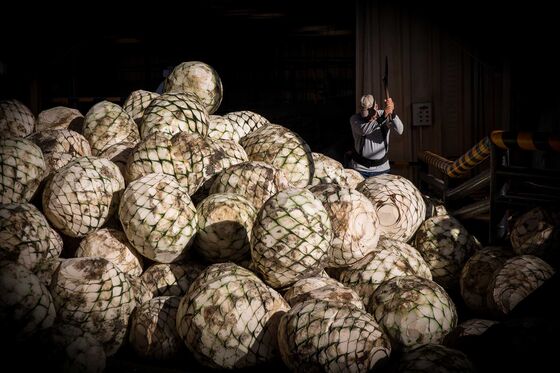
x: 165, y: 227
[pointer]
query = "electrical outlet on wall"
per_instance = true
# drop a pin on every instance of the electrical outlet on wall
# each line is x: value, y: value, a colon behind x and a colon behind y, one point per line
x: 422, y: 114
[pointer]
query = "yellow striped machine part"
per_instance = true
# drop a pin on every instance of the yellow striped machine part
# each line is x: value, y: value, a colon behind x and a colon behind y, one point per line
x: 526, y: 140
x: 474, y: 156
x: 435, y: 160
x: 478, y: 153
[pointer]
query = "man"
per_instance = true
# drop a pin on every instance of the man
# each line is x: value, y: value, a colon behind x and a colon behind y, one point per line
x: 371, y: 128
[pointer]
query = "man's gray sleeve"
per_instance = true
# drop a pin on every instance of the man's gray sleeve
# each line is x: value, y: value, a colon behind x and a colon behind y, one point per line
x: 398, y: 124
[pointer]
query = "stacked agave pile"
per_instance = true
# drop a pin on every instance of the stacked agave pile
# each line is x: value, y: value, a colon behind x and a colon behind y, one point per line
x: 165, y: 226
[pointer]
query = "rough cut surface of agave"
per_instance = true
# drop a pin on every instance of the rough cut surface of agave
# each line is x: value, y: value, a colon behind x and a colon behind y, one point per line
x: 515, y: 280
x: 80, y: 351
x: 327, y: 170
x: 112, y: 245
x: 400, y: 206
x: 536, y: 232
x: 172, y: 113
x: 94, y: 295
x: 26, y: 237
x: 153, y: 333
x: 320, y: 336
x: 291, y: 237
x: 26, y: 306
x: 390, y: 259
x: 434, y: 358
x: 322, y: 288
x: 413, y: 311
x: 434, y: 207
x: 83, y: 195
x: 283, y: 149
x: 196, y: 159
x: 16, y: 119
x: 189, y: 157
x: 108, y: 124
x: 22, y: 168
x: 198, y: 78
x: 234, y: 152
x: 119, y: 155
x: 59, y: 118
x: 477, y: 274
x: 446, y: 246
x: 229, y: 318
x: 353, y: 177
x: 158, y: 217
x: 354, y: 223
x: 256, y: 181
x: 225, y: 222
x: 59, y: 147
x: 468, y: 328
x: 171, y: 279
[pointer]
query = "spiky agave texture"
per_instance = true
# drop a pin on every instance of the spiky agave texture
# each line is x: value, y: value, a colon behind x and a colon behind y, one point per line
x: 171, y: 279
x: 137, y: 102
x: 331, y: 337
x: 327, y: 170
x: 256, y: 181
x: 322, y: 288
x: 246, y: 121
x: 153, y: 331
x: 291, y: 237
x: 198, y: 78
x: 112, y: 245
x: 283, y: 149
x: 413, y: 310
x: 434, y: 358
x: 59, y: 147
x: 172, y: 113
x: 476, y: 275
x: 16, y: 119
x: 399, y: 204
x: 390, y: 259
x: 151, y: 155
x: 225, y: 222
x: 221, y: 128
x: 95, y: 296
x: 446, y: 246
x: 83, y: 195
x: 58, y: 118
x: 26, y: 306
x: 354, y: 223
x: 229, y: 318
x: 515, y: 280
x: 158, y: 217
x: 26, y: 237
x: 107, y: 124
x: 22, y: 168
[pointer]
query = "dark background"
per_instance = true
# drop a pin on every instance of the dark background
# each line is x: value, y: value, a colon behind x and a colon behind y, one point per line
x: 291, y: 61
